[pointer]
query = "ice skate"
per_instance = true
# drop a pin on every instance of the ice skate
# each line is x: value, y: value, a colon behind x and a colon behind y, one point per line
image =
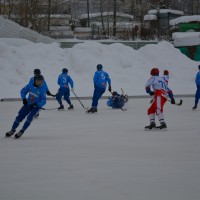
x: 194, y: 108
x: 152, y: 126
x: 61, y: 107
x: 19, y: 134
x: 92, y: 110
x: 162, y: 126
x: 10, y: 133
x: 71, y: 107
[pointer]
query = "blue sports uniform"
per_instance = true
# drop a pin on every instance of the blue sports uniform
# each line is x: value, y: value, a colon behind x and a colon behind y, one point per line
x: 100, y: 82
x: 64, y: 81
x: 197, y: 95
x: 116, y: 101
x: 36, y: 100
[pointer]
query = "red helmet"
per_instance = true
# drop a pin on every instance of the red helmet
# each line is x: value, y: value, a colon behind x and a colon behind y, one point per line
x: 154, y: 72
x: 166, y: 72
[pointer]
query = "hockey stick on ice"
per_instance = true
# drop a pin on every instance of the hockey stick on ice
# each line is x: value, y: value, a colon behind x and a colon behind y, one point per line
x: 80, y: 101
x: 178, y: 104
x: 49, y: 108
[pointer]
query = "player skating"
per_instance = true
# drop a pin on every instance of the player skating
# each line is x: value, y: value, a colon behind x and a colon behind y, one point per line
x: 161, y: 93
x: 44, y: 84
x: 197, y: 95
x: 101, y: 78
x: 64, y: 80
x: 31, y: 105
x: 166, y: 76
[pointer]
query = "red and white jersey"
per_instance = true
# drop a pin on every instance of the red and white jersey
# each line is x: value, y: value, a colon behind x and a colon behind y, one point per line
x: 166, y: 78
x: 158, y: 85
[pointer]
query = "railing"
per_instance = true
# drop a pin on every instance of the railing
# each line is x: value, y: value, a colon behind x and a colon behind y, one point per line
x: 134, y: 45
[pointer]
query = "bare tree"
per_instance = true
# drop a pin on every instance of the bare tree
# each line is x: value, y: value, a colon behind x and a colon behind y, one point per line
x: 114, y: 17
x: 102, y: 17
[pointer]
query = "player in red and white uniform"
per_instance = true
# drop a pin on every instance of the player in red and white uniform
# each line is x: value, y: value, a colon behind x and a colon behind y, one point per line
x: 166, y: 76
x: 161, y: 93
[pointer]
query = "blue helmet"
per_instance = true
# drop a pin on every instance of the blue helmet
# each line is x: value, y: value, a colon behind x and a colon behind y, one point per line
x: 99, y: 67
x: 65, y: 70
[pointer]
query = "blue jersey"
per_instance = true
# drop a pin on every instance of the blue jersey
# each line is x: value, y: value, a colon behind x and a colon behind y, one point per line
x: 101, y: 78
x: 116, y: 101
x: 197, y: 80
x: 64, y: 80
x: 44, y: 84
x: 36, y: 94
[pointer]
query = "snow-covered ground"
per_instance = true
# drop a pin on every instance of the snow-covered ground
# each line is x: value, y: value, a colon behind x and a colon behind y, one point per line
x: 128, y: 68
x: 77, y: 156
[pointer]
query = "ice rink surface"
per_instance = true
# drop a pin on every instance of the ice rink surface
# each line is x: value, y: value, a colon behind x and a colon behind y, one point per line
x: 71, y: 155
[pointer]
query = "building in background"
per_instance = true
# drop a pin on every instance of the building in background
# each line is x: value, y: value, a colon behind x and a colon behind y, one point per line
x: 186, y: 36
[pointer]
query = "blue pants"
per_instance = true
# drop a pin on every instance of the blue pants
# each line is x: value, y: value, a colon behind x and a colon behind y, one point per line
x: 197, y: 95
x: 63, y: 92
x: 98, y: 92
x: 23, y: 112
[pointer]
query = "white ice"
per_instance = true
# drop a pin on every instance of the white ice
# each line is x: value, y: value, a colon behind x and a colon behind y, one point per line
x: 105, y: 156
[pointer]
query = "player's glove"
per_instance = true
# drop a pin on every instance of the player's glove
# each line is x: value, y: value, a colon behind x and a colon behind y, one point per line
x: 173, y: 101
x: 109, y: 88
x: 151, y: 93
x: 25, y: 102
x: 49, y: 94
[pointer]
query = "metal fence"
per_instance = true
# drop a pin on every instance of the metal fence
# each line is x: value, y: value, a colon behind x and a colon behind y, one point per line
x: 134, y: 45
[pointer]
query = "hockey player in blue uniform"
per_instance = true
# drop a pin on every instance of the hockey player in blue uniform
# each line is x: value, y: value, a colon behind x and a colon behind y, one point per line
x: 100, y: 82
x: 117, y: 100
x: 197, y: 95
x: 64, y: 80
x: 38, y: 72
x: 36, y: 100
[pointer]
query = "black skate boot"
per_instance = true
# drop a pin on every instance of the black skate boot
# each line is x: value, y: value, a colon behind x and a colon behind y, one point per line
x: 92, y: 110
x: 162, y: 126
x: 61, y: 107
x: 152, y: 126
x: 194, y: 108
x: 19, y: 134
x: 10, y: 133
x: 71, y: 107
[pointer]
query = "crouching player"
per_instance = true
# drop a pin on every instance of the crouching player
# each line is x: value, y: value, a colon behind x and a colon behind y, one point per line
x: 117, y: 100
x: 161, y: 93
x: 36, y: 100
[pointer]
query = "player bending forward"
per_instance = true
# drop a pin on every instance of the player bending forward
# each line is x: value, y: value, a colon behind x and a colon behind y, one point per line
x: 161, y: 93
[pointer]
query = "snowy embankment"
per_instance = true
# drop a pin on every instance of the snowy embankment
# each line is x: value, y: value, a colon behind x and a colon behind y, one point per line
x: 128, y: 68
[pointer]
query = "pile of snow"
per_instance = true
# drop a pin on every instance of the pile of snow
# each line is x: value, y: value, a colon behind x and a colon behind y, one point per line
x: 128, y: 68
